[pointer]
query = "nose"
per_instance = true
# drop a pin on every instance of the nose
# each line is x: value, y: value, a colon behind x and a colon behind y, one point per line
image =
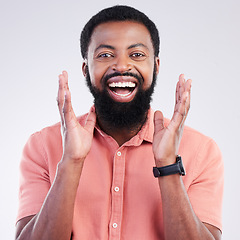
x: 122, y: 64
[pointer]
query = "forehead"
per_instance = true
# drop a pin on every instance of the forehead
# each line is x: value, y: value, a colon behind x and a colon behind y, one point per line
x: 120, y: 34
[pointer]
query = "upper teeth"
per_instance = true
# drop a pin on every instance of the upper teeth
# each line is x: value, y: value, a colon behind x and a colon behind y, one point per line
x: 122, y: 84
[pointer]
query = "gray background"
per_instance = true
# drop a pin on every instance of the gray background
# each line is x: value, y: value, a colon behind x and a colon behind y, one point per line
x: 39, y: 39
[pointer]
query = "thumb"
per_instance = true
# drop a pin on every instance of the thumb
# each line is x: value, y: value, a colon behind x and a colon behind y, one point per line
x: 158, y: 121
x: 90, y: 122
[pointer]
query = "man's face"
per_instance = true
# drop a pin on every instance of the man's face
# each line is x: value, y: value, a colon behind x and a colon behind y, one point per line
x: 121, y: 65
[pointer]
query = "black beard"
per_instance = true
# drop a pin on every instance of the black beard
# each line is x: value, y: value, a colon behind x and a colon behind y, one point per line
x: 122, y: 115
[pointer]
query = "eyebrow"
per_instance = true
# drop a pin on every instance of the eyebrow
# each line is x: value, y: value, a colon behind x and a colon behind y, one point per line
x: 104, y: 46
x: 137, y: 45
x: 112, y: 48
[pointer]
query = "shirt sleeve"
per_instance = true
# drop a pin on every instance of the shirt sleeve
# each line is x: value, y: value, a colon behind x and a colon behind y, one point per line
x: 34, y: 177
x: 206, y: 190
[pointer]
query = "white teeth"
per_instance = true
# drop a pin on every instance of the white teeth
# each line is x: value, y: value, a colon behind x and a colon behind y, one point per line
x: 122, y: 84
x: 123, y: 95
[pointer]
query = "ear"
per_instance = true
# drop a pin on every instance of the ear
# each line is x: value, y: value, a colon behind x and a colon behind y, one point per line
x: 157, y: 61
x: 84, y: 67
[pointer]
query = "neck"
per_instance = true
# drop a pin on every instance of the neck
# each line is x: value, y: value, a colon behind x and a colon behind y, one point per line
x: 120, y: 135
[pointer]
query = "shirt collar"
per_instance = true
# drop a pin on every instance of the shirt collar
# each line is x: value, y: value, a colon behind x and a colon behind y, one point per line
x: 147, y: 130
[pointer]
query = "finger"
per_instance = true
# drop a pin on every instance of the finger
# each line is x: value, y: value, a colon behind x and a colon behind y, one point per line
x: 179, y: 88
x: 90, y: 122
x: 158, y: 121
x: 69, y: 117
x: 188, y: 86
x: 61, y: 95
x: 180, y: 112
x: 65, y: 105
x: 177, y: 93
x: 65, y: 75
x: 182, y: 103
x: 181, y: 85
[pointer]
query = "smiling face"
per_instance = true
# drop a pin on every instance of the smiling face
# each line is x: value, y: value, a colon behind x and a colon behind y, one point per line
x: 121, y: 47
x: 121, y: 63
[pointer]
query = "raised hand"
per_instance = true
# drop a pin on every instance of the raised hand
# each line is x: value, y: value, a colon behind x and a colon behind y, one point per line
x: 166, y: 140
x: 77, y: 140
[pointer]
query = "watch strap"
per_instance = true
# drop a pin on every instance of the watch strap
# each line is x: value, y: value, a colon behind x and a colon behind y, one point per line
x: 170, y: 169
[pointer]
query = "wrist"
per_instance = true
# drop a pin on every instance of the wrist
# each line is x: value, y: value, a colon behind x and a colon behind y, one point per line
x: 162, y: 162
x: 174, y: 168
x: 69, y: 169
x: 69, y: 159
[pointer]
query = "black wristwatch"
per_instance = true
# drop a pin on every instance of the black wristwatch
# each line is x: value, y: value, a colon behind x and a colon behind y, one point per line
x: 170, y: 169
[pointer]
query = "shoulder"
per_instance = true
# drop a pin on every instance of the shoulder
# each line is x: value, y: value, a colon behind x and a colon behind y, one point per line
x: 199, y: 151
x: 50, y: 136
x: 54, y: 130
x: 196, y: 139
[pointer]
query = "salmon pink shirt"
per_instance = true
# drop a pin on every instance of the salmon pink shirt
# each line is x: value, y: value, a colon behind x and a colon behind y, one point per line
x: 118, y: 196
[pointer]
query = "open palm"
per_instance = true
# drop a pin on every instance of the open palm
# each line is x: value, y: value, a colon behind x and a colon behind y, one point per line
x: 166, y: 139
x: 77, y: 139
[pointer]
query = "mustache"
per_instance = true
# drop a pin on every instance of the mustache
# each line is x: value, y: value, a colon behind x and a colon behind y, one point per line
x: 139, y: 78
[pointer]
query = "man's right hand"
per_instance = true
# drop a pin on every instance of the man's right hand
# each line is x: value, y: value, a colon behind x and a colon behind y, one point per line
x: 54, y: 220
x: 77, y: 139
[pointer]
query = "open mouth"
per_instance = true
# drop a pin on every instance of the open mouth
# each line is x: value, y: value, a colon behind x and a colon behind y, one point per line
x: 122, y: 89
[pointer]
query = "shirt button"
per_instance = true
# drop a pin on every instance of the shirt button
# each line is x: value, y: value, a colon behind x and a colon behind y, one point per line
x: 116, y: 189
x: 119, y: 153
x: 114, y: 225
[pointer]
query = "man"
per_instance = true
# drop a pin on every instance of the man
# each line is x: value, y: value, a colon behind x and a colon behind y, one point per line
x: 96, y: 181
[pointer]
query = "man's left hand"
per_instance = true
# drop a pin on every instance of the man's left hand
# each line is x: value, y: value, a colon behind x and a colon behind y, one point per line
x: 166, y: 140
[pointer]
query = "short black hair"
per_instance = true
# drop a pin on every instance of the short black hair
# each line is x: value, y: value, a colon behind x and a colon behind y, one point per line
x: 118, y: 13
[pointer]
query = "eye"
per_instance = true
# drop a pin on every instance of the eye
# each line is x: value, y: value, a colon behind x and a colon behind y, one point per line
x: 104, y: 55
x: 138, y: 56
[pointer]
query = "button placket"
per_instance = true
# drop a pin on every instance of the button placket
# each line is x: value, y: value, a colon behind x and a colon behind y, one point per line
x: 117, y: 198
